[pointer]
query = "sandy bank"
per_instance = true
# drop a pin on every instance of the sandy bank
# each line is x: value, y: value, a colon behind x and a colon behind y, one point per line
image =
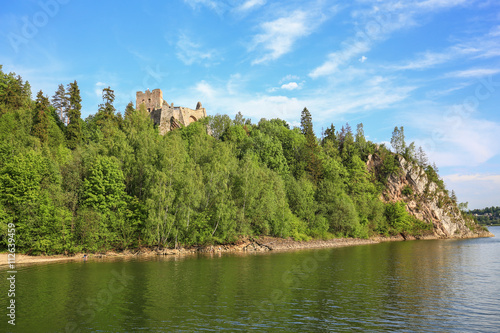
x: 248, y: 245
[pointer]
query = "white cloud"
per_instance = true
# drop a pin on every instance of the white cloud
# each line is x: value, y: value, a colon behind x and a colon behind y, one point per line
x: 99, y: 86
x: 250, y: 5
x: 279, y: 36
x: 479, y: 190
x: 212, y: 4
x: 437, y: 4
x: 190, y: 52
x: 474, y: 73
x: 426, y: 60
x: 453, y: 137
x: 290, y: 86
x: 326, y: 103
x: 474, y: 178
x: 362, y: 59
x: 376, y: 25
x: 336, y: 59
x: 289, y: 77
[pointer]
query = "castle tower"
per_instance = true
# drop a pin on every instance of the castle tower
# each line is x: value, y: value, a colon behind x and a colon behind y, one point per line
x: 167, y: 117
x: 153, y: 100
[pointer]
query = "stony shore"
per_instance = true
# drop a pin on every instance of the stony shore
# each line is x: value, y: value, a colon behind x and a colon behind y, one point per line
x: 247, y: 245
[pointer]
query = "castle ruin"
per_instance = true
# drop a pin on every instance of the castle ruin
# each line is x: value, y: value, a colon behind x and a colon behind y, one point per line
x: 167, y: 117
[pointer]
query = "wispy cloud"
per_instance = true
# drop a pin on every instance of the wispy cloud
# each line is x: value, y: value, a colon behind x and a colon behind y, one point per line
x: 453, y: 137
x: 478, y: 189
x: 376, y: 25
x: 211, y: 4
x: 279, y: 36
x: 426, y: 60
x: 474, y: 73
x: 327, y: 104
x: 250, y: 5
x: 474, y: 178
x: 190, y: 52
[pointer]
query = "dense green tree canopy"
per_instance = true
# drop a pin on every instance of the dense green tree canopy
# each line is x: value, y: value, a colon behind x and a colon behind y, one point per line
x: 110, y: 182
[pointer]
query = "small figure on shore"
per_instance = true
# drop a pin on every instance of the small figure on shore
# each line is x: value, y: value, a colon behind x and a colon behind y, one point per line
x: 84, y: 257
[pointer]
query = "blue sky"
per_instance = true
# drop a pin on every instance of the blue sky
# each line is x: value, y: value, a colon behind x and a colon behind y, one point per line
x: 432, y: 66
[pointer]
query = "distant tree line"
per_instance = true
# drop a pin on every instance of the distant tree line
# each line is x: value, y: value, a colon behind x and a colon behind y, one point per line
x: 112, y: 182
x: 487, y: 216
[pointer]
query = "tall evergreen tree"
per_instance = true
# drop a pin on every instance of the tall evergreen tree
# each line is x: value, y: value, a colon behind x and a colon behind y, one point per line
x: 60, y: 102
x: 129, y: 110
x: 41, y: 118
x: 314, y: 166
x: 398, y: 140
x: 422, y: 159
x: 307, y: 127
x: 108, y: 96
x: 106, y: 111
x: 74, y: 132
x: 329, y: 135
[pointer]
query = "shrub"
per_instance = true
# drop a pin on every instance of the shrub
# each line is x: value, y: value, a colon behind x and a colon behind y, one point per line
x: 407, y: 191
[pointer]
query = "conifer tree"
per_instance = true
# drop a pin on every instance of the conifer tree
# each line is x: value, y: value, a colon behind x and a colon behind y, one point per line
x: 106, y: 111
x: 313, y: 163
x: 398, y: 140
x: 129, y: 110
x: 422, y: 159
x: 307, y: 127
x: 61, y: 103
x: 74, y: 132
x: 41, y: 120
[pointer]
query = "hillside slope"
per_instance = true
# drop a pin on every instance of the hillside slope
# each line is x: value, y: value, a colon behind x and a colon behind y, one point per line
x: 427, y: 201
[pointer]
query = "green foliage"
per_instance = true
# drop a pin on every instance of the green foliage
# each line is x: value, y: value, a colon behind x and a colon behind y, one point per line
x: 407, y: 190
x: 74, y: 129
x: 487, y: 216
x: 113, y: 183
x: 398, y: 140
x: 41, y: 118
x: 401, y: 222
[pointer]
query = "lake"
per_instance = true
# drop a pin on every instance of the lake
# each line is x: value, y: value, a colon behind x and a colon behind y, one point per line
x: 414, y: 286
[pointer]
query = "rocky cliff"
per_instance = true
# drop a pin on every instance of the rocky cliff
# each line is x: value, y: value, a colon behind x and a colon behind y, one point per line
x: 426, y: 200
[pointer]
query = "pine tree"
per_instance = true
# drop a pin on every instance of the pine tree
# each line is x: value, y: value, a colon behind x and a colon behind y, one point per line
x: 453, y: 196
x: 422, y: 159
x: 360, y: 137
x: 41, y: 117
x: 330, y: 135
x: 398, y: 140
x: 129, y: 110
x: 74, y: 132
x: 313, y: 162
x: 61, y: 103
x: 106, y: 110
x: 307, y: 127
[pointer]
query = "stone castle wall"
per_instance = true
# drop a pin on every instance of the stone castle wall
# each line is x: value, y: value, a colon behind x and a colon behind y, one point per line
x: 167, y: 117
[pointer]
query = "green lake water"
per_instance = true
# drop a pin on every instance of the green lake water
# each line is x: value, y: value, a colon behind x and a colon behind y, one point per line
x: 415, y: 286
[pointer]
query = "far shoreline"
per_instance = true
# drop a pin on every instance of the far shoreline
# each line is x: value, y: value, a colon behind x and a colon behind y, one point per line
x: 264, y: 244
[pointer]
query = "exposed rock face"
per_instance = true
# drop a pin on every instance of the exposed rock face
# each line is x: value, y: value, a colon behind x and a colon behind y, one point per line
x: 426, y: 201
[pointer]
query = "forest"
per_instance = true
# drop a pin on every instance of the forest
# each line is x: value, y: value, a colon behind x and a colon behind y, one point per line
x: 110, y: 181
x: 487, y: 216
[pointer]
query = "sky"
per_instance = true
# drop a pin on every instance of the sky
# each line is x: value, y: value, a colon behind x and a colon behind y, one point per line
x: 431, y: 66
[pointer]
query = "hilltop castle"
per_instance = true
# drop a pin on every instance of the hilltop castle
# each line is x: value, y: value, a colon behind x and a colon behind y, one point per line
x: 167, y: 117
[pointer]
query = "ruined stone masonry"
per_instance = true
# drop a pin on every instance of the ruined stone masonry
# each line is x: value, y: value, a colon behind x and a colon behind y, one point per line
x: 167, y: 117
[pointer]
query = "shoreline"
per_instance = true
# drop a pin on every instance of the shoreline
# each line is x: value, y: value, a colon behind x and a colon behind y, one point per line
x: 242, y: 246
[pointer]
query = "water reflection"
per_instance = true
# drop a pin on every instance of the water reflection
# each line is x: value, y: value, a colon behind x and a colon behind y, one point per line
x: 409, y: 286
